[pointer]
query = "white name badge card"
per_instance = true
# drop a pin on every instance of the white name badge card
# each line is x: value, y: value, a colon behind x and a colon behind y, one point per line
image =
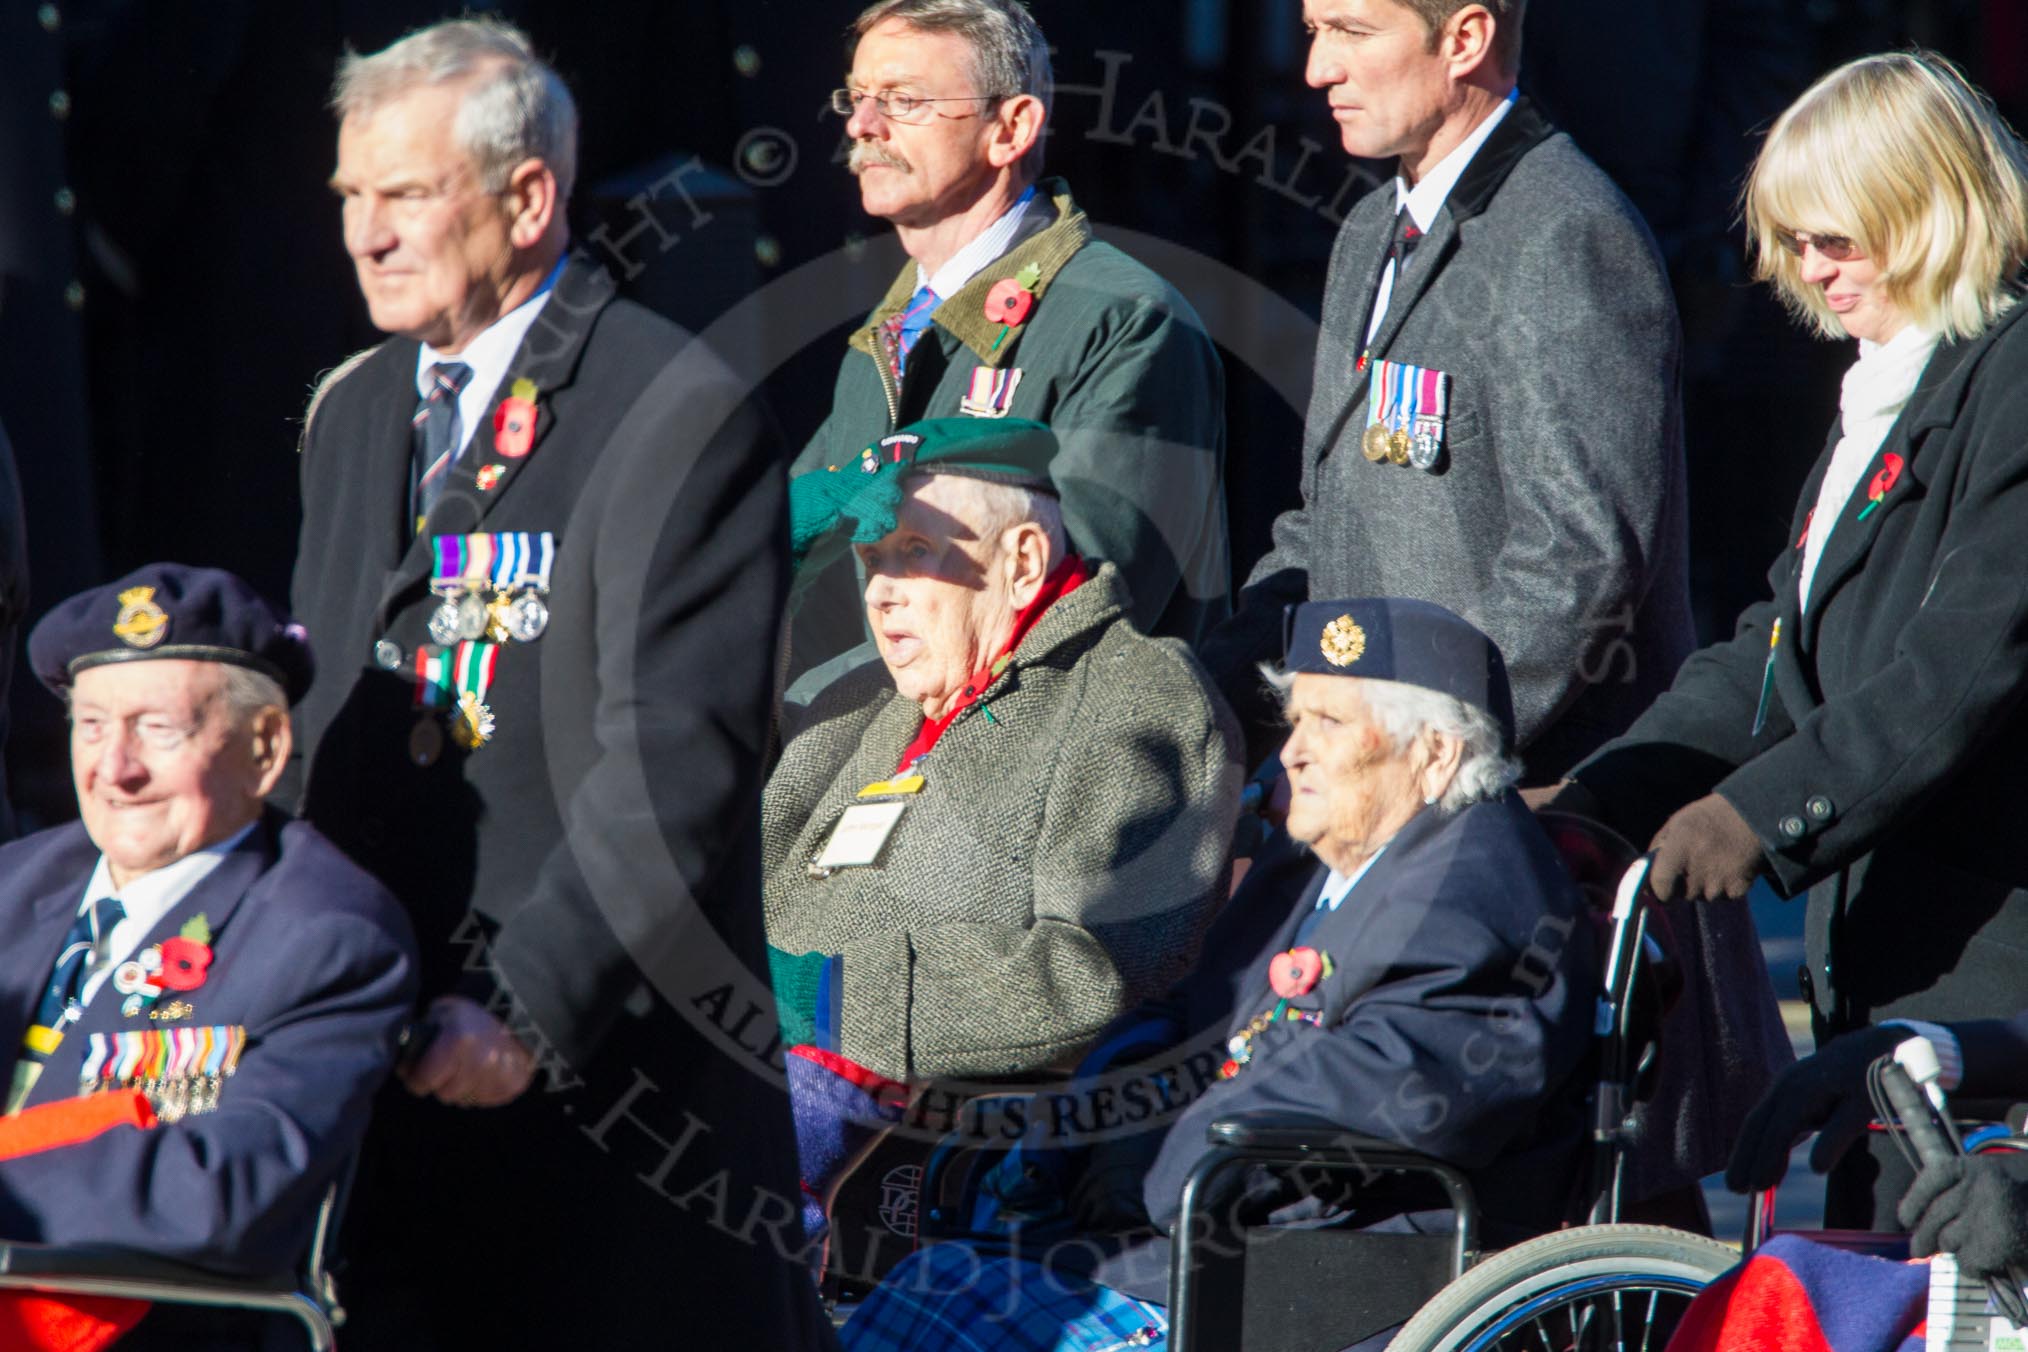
x: 860, y: 836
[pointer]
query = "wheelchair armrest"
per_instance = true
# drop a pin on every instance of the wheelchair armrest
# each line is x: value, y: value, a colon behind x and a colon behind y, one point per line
x: 39, y: 1261
x: 1303, y: 1137
x: 1293, y: 1138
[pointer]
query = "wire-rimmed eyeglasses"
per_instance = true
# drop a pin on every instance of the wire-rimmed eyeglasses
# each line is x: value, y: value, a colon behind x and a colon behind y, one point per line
x: 898, y: 107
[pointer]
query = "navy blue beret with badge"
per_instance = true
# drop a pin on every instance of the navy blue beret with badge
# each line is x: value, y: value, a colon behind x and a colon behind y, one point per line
x: 1414, y: 642
x: 170, y: 610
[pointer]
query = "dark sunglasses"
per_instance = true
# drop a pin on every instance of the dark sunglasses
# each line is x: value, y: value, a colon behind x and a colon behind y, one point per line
x: 1836, y: 248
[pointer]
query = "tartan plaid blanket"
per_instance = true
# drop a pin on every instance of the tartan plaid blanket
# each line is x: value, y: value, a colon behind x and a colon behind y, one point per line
x: 956, y: 1297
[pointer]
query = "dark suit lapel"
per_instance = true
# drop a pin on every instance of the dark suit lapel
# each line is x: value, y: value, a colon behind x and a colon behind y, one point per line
x: 1858, y: 525
x: 1368, y: 256
x: 28, y: 957
x: 216, y: 898
x: 547, y: 359
x: 1336, y: 931
x: 1520, y: 131
x: 1413, y: 279
x: 389, y: 458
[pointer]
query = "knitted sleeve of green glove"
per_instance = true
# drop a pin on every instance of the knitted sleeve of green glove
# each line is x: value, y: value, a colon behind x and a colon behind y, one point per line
x: 821, y: 499
x: 795, y: 977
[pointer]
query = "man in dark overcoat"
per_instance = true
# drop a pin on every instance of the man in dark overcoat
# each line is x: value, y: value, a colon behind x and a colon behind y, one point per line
x: 543, y: 549
x: 1495, y: 423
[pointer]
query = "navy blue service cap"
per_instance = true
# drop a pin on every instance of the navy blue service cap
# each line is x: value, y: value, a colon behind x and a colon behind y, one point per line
x: 170, y: 610
x: 1388, y: 639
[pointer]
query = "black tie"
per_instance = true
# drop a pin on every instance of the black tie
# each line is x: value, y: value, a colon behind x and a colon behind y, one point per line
x: 1406, y: 236
x: 432, y: 450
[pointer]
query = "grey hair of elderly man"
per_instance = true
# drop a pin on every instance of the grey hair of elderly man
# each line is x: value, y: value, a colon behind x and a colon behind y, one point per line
x: 516, y: 109
x: 991, y: 509
x: 1404, y: 711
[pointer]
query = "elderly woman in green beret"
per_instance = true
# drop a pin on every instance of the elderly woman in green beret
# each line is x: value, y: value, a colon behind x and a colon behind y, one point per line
x: 1011, y: 829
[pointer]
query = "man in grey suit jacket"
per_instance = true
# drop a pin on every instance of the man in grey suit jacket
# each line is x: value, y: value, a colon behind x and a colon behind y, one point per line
x: 1495, y: 424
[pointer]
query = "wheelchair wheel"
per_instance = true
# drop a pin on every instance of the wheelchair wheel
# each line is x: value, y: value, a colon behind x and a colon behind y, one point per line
x: 1597, y: 1287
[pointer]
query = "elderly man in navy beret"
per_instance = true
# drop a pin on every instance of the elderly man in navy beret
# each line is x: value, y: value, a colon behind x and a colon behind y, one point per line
x: 1411, y: 967
x: 202, y: 993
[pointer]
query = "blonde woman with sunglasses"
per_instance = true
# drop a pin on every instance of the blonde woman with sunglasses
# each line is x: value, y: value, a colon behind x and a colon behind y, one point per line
x: 1862, y: 737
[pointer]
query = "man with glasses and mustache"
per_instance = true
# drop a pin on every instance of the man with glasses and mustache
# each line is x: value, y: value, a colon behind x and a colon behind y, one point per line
x: 1007, y: 306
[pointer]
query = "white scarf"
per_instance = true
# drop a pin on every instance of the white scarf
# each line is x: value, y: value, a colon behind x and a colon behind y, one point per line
x: 1875, y: 391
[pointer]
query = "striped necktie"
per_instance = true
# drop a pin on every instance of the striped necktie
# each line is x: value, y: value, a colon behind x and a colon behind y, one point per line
x: 87, y: 935
x: 433, y: 441
x: 61, y: 999
x: 911, y: 324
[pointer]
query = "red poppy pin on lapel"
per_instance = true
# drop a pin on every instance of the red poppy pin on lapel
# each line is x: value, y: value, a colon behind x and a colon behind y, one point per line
x: 1883, y: 483
x: 1010, y: 300
x: 514, y: 421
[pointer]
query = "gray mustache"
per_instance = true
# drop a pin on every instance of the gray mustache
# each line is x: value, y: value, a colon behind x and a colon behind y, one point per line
x: 867, y: 153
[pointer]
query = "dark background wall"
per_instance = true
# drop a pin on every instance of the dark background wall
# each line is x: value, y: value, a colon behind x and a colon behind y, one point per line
x: 172, y: 283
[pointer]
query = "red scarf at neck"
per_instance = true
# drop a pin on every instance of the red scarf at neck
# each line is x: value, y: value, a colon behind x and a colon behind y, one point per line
x: 1064, y: 579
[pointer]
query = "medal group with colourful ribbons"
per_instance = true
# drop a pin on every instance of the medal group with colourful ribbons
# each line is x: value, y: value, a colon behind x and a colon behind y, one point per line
x: 181, y: 1069
x: 492, y: 588
x: 1409, y: 405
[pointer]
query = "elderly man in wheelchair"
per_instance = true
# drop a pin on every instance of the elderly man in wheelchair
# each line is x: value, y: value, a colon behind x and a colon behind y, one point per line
x: 1415, y: 986
x: 204, y: 993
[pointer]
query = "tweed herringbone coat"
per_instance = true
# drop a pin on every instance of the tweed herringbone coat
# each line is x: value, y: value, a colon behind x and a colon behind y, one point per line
x: 1060, y: 864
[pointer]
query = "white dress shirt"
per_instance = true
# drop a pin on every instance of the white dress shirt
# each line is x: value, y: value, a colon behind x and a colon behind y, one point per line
x: 488, y: 355
x: 147, y: 899
x: 1427, y: 198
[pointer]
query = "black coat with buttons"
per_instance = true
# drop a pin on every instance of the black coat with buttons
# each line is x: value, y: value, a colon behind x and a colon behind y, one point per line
x: 1890, y: 777
x: 598, y: 857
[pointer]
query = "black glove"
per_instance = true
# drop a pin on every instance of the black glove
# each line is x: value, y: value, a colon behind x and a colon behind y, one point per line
x: 1705, y: 852
x: 1825, y: 1093
x: 1975, y: 1207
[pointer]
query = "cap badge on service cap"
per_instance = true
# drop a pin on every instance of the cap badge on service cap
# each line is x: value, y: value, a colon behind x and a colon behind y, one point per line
x: 141, y: 623
x: 1344, y: 642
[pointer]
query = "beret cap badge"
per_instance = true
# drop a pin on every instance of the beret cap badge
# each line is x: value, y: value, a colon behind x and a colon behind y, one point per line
x: 1344, y: 642
x: 141, y: 623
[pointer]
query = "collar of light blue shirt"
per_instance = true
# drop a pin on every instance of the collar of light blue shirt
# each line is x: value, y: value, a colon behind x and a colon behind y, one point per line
x: 1338, y: 885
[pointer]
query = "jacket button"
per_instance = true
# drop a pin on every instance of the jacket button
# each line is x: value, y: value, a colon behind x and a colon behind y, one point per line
x: 50, y: 17
x: 59, y: 105
x: 1819, y: 808
x: 387, y: 654
x: 1793, y: 827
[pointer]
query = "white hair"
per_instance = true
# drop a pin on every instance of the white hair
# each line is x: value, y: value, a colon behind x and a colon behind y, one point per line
x: 993, y: 509
x: 246, y: 692
x: 516, y: 108
x: 1404, y: 711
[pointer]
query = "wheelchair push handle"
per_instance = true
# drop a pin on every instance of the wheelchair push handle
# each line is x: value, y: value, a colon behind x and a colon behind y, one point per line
x: 1931, y: 1146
